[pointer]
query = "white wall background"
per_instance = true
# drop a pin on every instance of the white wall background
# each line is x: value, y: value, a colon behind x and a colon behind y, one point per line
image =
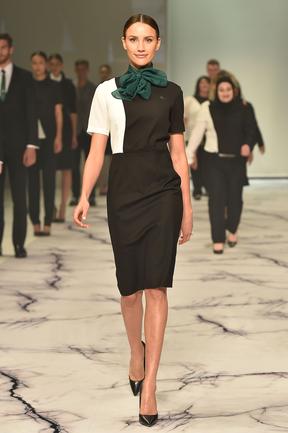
x: 89, y: 29
x: 250, y: 38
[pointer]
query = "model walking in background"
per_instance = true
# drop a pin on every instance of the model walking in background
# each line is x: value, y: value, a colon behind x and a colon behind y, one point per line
x: 148, y: 202
x: 192, y: 106
x: 48, y: 101
x: 69, y: 135
x: 230, y: 130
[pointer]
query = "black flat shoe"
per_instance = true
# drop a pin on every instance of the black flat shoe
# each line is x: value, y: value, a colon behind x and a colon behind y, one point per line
x: 136, y: 384
x: 92, y: 202
x: 73, y: 201
x: 197, y: 196
x: 59, y: 220
x: 218, y: 251
x: 147, y: 420
x: 232, y: 244
x: 20, y: 252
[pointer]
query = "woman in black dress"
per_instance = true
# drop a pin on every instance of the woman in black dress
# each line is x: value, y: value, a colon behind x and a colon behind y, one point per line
x: 65, y: 158
x: 148, y: 202
x: 49, y: 115
x: 229, y: 128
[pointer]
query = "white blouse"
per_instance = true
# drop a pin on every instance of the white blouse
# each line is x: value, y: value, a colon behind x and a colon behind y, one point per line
x: 191, y: 109
x: 204, y: 125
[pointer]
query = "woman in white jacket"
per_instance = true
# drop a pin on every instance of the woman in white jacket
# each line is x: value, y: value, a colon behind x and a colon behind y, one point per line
x: 229, y: 129
x: 192, y: 105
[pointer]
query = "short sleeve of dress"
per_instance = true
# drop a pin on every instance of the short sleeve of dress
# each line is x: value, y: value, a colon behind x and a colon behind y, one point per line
x: 177, y: 115
x: 57, y: 93
x: 98, y: 118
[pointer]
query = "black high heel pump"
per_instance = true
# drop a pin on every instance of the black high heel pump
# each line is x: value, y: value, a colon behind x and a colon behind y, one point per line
x: 136, y: 384
x: 147, y: 420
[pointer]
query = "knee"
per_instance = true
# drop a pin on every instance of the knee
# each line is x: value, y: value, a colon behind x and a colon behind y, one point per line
x: 130, y: 300
x: 156, y: 295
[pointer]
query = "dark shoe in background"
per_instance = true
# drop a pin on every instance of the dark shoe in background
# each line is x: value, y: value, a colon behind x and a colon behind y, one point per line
x: 92, y: 202
x: 197, y: 196
x: 20, y: 252
x: 73, y: 201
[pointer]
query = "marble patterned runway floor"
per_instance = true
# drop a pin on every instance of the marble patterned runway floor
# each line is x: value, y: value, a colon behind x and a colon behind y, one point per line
x: 224, y: 369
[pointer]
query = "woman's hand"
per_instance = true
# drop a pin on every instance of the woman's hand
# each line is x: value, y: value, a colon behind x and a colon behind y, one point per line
x: 262, y: 149
x: 1, y: 167
x: 74, y: 142
x: 194, y: 164
x: 250, y: 158
x: 57, y: 145
x: 29, y: 157
x: 80, y: 213
x: 186, y: 227
x: 245, y: 150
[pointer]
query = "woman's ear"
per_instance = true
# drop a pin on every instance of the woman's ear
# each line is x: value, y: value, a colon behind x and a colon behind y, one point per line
x: 123, y: 43
x: 158, y: 44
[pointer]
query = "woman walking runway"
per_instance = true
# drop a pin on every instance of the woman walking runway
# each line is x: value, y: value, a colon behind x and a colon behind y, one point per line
x: 148, y: 202
x: 229, y: 128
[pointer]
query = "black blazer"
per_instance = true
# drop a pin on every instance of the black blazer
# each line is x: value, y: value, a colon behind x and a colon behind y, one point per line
x: 258, y: 138
x: 18, y: 120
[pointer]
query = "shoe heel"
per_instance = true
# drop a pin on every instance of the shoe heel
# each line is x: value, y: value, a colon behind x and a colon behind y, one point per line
x: 147, y: 420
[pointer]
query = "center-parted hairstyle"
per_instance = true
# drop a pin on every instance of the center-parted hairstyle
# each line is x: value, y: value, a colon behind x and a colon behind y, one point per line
x: 40, y: 54
x: 56, y: 56
x: 141, y: 18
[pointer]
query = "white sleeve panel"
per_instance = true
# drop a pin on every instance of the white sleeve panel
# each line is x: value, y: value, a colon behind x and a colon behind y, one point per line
x: 99, y: 118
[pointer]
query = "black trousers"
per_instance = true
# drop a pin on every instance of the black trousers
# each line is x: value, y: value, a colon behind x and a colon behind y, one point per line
x: 46, y: 162
x: 225, y: 179
x: 17, y: 176
x: 197, y: 175
x: 83, y: 146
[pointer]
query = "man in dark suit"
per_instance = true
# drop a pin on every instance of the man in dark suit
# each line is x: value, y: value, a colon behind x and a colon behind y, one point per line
x: 18, y: 139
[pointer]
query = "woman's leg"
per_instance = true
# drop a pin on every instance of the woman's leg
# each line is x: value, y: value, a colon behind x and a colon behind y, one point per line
x: 132, y: 311
x: 235, y: 201
x: 217, y: 201
x: 65, y: 190
x: 49, y: 174
x: 34, y: 195
x: 156, y: 313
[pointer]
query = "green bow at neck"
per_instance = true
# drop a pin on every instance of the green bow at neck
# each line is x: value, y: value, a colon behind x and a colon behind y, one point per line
x: 138, y: 82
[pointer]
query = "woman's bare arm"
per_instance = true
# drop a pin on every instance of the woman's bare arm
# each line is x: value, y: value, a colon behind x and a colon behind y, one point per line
x: 180, y: 164
x: 92, y: 169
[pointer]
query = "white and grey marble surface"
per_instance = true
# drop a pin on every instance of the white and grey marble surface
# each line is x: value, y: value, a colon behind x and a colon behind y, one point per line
x: 224, y: 368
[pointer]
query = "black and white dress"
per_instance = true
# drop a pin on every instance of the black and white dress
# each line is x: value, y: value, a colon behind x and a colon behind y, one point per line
x: 144, y: 201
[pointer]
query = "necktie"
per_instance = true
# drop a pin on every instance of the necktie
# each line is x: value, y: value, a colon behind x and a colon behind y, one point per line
x: 3, y: 86
x: 138, y: 82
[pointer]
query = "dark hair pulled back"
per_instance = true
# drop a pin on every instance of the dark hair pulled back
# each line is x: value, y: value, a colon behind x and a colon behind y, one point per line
x: 141, y: 18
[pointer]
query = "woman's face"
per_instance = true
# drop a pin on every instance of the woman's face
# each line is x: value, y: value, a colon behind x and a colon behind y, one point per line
x: 204, y: 88
x: 141, y: 44
x: 225, y: 92
x: 38, y: 66
x: 55, y: 66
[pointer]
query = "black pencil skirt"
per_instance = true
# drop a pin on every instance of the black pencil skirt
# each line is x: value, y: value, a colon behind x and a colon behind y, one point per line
x: 145, y: 208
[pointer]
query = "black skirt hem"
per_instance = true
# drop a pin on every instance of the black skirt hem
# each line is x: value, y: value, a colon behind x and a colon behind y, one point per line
x: 124, y: 292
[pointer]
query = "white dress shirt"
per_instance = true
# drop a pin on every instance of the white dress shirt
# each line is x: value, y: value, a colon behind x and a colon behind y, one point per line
x: 8, y: 75
x: 54, y: 78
